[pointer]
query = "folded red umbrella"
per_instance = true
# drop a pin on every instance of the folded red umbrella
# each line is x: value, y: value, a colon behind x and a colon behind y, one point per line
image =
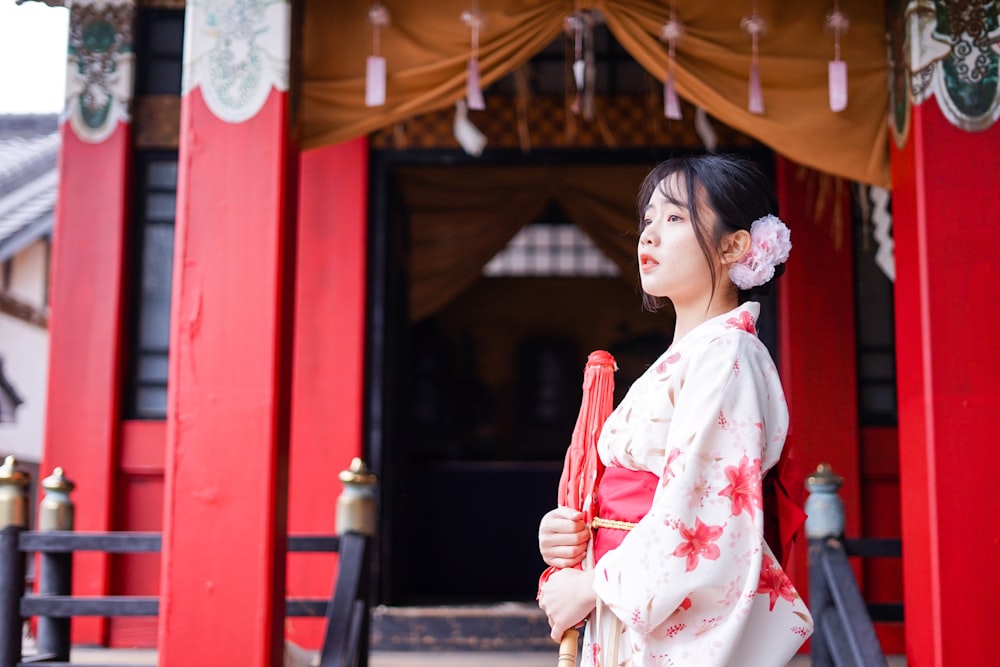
x: 582, y: 467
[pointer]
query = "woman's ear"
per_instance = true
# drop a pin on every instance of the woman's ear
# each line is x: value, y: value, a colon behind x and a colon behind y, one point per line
x: 734, y: 246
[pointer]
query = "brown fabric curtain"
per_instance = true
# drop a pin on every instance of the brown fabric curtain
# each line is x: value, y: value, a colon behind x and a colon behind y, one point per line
x: 427, y: 47
x: 460, y: 218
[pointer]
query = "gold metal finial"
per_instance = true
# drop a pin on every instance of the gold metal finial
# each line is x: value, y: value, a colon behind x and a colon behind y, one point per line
x: 58, y: 482
x: 9, y: 474
x: 356, y: 503
x: 357, y: 473
x: 13, y: 494
x: 824, y: 476
x: 56, y: 511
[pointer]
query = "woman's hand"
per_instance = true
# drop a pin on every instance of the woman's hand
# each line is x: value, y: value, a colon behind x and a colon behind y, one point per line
x: 567, y: 598
x: 563, y: 537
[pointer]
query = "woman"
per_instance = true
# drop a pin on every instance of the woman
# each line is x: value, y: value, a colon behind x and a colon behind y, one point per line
x: 682, y: 573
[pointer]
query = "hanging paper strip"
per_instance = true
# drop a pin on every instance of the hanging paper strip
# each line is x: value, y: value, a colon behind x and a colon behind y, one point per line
x: 754, y: 26
x: 837, y: 23
x: 671, y: 33
x: 378, y: 17
x: 473, y: 18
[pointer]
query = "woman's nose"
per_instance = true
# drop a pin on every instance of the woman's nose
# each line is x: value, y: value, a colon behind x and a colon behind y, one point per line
x: 647, y: 236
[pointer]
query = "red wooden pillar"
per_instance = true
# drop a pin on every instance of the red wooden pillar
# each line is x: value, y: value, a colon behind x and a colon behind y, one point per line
x: 327, y: 390
x: 83, y: 406
x: 946, y: 226
x: 225, y: 509
x: 816, y: 336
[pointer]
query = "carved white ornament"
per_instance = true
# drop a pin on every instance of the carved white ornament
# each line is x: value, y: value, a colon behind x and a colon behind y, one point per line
x: 236, y: 51
x: 99, y: 66
x: 926, y: 49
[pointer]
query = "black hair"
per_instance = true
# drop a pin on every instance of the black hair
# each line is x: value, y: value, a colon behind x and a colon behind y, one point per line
x: 733, y: 187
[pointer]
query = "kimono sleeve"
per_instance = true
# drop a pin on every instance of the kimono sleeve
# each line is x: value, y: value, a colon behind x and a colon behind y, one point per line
x: 698, y: 552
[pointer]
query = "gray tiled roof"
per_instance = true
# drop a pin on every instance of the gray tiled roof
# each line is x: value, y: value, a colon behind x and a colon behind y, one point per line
x: 29, y: 149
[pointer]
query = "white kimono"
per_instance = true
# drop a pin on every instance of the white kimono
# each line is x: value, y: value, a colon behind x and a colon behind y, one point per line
x: 694, y: 583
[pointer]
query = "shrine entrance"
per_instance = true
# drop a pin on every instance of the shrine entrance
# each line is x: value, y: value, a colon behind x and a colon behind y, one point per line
x: 493, y: 281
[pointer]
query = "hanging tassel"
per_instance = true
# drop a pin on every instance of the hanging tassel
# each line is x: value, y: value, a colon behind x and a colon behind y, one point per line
x: 671, y: 105
x: 473, y: 91
x: 378, y: 17
x: 375, y: 81
x: 473, y: 18
x: 837, y: 23
x: 671, y: 32
x: 753, y: 25
x: 756, y: 97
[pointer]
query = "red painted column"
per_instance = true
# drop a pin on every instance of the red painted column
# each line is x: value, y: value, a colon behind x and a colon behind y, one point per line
x: 946, y: 226
x: 226, y: 483
x: 82, y: 414
x: 328, y: 377
x: 816, y: 337
x: 88, y: 255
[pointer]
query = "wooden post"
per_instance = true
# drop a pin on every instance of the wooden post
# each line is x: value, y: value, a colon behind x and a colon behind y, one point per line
x: 13, y: 520
x: 55, y: 512
x: 83, y: 409
x: 946, y: 227
x: 816, y: 335
x: 226, y: 484
x: 825, y: 512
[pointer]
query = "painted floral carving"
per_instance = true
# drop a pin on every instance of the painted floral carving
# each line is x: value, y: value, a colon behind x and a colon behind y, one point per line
x: 236, y: 51
x: 99, y: 76
x: 953, y: 49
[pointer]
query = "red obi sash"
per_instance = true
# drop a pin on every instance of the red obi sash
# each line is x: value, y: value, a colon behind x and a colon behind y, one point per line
x: 623, y: 495
x: 626, y: 495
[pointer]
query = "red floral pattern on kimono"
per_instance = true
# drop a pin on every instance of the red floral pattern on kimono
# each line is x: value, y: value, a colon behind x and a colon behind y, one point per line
x: 694, y: 583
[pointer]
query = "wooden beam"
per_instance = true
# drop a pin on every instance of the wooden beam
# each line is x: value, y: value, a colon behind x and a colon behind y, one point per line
x: 15, y: 307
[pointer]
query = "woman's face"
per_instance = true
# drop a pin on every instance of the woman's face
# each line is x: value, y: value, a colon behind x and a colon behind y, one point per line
x: 671, y: 263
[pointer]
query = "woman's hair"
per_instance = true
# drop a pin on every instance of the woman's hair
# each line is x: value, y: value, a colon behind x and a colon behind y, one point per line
x: 731, y: 186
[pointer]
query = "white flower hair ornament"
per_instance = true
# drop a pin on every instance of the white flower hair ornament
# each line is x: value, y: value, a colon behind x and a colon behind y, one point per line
x: 770, y: 243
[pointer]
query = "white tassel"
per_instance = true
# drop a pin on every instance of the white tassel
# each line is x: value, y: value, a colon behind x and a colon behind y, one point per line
x: 468, y: 135
x: 756, y: 101
x: 473, y: 91
x: 375, y: 81
x: 838, y: 85
x: 378, y: 17
x: 473, y: 19
x: 837, y: 23
x: 671, y: 105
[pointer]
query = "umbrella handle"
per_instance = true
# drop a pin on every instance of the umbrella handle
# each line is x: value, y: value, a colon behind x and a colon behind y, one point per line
x: 567, y: 649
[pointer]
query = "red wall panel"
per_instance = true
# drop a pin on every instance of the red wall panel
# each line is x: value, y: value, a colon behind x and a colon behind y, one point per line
x: 328, y: 375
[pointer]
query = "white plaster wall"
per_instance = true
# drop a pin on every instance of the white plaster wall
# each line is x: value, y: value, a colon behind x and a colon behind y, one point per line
x: 25, y: 348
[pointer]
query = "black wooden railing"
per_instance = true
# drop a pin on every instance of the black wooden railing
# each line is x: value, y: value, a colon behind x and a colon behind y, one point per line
x: 844, y: 634
x: 347, y: 611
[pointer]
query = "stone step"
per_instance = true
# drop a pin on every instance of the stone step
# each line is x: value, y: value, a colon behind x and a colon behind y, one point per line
x: 511, y: 626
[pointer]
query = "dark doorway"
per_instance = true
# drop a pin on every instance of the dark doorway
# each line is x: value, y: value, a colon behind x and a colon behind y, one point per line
x: 472, y: 405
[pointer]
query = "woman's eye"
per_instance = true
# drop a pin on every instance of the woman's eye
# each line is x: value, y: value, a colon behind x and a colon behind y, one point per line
x: 673, y: 218
x: 646, y: 223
